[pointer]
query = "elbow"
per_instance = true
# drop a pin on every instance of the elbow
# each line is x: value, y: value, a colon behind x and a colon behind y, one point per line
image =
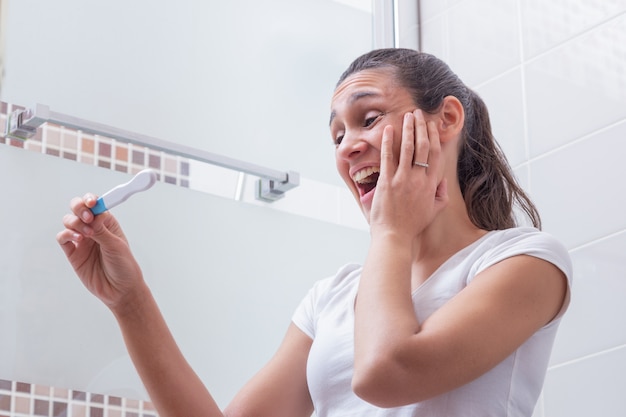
x: 371, y: 392
x: 386, y: 385
x: 392, y: 383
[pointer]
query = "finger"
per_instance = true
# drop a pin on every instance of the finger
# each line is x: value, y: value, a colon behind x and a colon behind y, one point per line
x: 434, y: 146
x: 76, y: 231
x: 75, y: 224
x: 422, y: 138
x: 407, y: 147
x: 68, y: 239
x: 386, y: 153
x: 81, y: 207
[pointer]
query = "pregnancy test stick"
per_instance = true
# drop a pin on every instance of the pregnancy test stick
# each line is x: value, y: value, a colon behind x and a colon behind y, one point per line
x: 140, y: 182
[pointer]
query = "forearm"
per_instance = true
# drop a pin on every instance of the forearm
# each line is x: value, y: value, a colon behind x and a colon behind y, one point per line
x: 172, y: 385
x: 385, y: 320
x: 384, y: 308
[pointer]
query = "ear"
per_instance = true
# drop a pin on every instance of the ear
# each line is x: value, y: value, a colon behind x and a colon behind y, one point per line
x: 450, y: 119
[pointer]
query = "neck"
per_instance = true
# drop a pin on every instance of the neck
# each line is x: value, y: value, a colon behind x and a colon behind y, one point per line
x: 448, y: 234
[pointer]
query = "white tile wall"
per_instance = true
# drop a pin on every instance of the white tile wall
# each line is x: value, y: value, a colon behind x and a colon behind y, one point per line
x: 595, y: 321
x: 478, y: 38
x: 590, y: 387
x: 507, y: 113
x: 578, y: 87
x: 580, y: 189
x: 483, y: 38
x: 553, y: 74
x: 549, y: 23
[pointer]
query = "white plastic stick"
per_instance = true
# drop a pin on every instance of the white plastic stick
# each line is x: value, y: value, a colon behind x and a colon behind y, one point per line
x: 140, y: 182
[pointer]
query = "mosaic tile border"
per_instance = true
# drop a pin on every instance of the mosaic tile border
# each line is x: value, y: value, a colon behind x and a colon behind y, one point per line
x: 101, y: 151
x: 21, y: 399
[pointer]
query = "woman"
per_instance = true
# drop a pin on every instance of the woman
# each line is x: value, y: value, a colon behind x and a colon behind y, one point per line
x: 454, y: 311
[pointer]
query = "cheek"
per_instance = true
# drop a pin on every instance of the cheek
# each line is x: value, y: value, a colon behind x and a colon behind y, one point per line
x: 343, y: 169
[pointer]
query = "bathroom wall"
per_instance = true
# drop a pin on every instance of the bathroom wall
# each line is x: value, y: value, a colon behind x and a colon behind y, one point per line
x: 553, y: 73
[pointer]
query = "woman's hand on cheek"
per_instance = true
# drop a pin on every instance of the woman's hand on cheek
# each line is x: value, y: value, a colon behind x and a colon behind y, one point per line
x: 408, y: 196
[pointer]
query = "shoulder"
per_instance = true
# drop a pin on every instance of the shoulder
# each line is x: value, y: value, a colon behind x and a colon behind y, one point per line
x: 502, y: 244
x: 326, y: 294
x: 341, y: 282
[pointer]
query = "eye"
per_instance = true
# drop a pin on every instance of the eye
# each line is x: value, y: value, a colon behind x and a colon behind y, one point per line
x: 370, y: 120
x: 338, y: 140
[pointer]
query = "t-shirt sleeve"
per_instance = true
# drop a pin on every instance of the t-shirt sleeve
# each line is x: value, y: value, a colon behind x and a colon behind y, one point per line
x: 540, y: 245
x: 305, y: 315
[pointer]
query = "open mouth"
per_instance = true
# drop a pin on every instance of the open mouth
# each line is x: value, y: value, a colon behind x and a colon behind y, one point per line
x: 366, y: 179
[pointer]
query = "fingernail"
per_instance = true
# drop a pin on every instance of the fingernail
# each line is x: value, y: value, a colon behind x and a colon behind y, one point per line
x: 86, y: 216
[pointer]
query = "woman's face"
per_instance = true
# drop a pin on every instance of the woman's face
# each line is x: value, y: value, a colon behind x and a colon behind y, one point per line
x: 362, y: 105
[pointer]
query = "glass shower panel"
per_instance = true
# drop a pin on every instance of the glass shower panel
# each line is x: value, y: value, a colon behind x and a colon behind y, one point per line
x: 246, y: 79
x: 226, y: 274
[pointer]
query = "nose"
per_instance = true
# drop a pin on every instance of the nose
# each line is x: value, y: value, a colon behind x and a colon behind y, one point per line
x: 351, y: 145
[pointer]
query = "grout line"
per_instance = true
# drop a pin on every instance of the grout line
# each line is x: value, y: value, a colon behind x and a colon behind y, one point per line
x: 79, y: 146
x: 586, y: 357
x: 579, y: 35
x: 522, y: 67
x: 445, y: 27
x: 501, y: 74
x: 597, y: 240
x: 547, y: 51
x: 575, y: 141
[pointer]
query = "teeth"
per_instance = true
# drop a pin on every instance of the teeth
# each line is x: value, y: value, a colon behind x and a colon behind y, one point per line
x: 362, y: 175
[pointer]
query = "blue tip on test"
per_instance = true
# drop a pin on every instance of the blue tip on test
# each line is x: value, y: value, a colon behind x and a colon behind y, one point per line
x: 140, y: 182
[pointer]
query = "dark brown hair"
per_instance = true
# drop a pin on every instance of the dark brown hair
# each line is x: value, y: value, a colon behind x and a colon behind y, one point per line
x: 487, y: 183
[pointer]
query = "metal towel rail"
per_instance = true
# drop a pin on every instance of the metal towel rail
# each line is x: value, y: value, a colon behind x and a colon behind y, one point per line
x: 271, y: 186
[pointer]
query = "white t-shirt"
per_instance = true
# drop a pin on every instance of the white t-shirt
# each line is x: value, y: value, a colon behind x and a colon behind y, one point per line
x: 510, y: 389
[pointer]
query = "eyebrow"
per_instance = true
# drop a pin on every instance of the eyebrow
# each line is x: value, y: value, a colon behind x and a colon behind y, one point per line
x: 354, y: 97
